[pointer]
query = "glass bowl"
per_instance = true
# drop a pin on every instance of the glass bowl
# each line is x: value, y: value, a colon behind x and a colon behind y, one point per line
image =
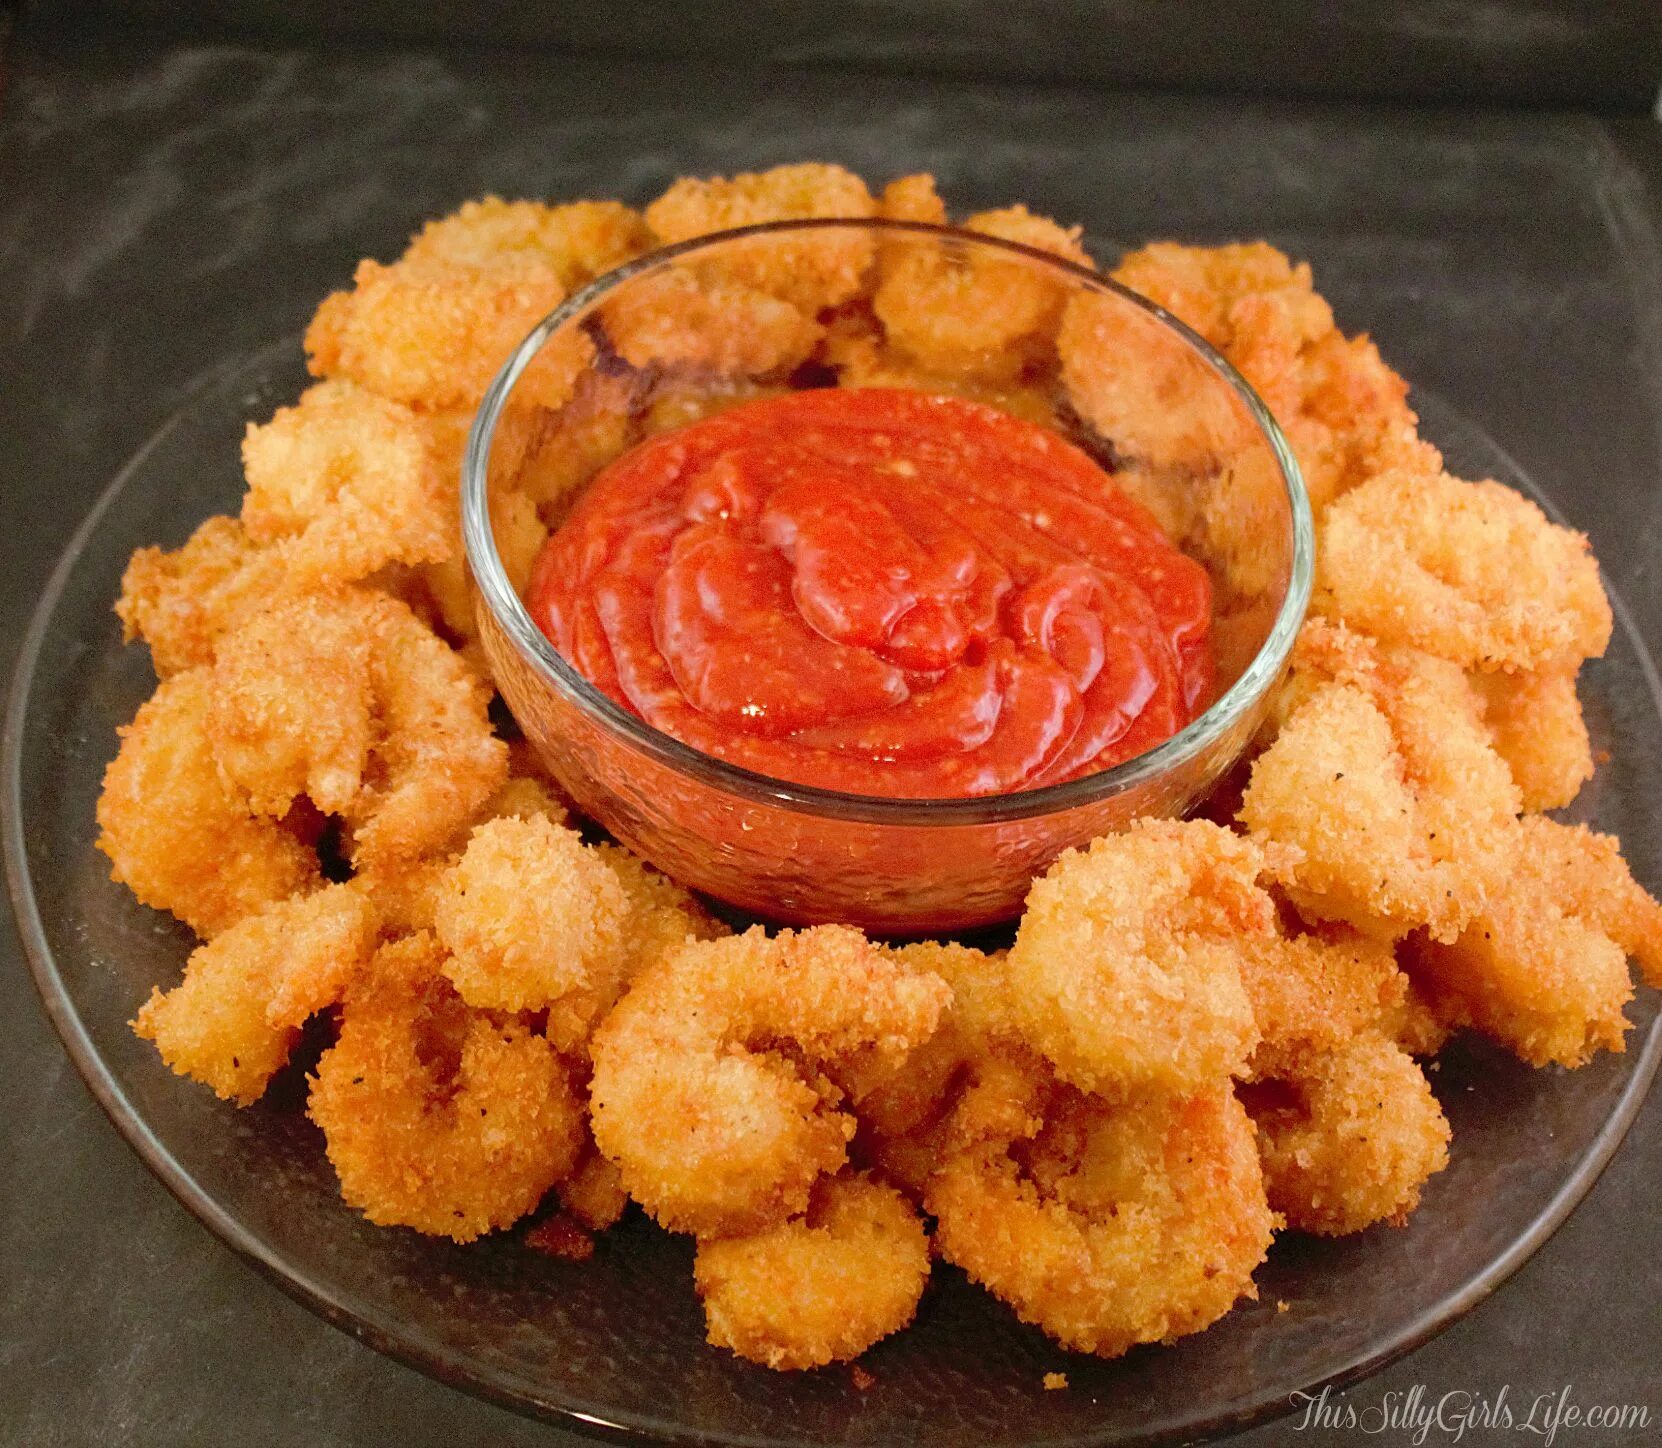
x: 686, y: 331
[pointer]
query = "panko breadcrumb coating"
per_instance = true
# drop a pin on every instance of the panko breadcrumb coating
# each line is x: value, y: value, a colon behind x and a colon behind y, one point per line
x: 231, y: 1022
x: 813, y: 272
x: 432, y: 329
x: 348, y: 693
x: 534, y: 919
x: 1472, y: 572
x: 1128, y: 1224
x: 822, y: 1287
x: 1125, y: 970
x: 1536, y: 721
x: 180, y: 835
x: 965, y: 313
x: 435, y: 1116
x: 719, y: 1129
x: 350, y: 479
x: 498, y: 981
x: 181, y: 603
x: 1351, y: 1139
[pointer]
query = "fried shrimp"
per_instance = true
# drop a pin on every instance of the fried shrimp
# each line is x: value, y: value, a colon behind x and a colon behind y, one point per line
x: 1536, y: 721
x: 1543, y: 967
x: 822, y: 1287
x: 701, y: 319
x: 434, y: 328
x: 437, y: 1117
x: 1313, y: 991
x: 1350, y: 1137
x: 180, y: 835
x: 1116, y: 1224
x: 1471, y: 572
x: 964, y: 313
x: 349, y: 699
x: 181, y: 603
x: 1386, y: 779
x: 707, y: 1087
x: 1125, y: 972
x: 813, y: 272
x: 348, y: 480
x: 233, y: 1019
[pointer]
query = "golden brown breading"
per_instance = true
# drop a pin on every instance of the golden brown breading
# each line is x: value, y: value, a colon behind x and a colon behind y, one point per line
x: 437, y: 1117
x: 349, y: 481
x: 1126, y: 968
x: 349, y: 694
x: 180, y: 835
x: 812, y: 271
x: 822, y: 1287
x: 181, y: 603
x: 707, y: 1089
x: 231, y: 1022
x: 1472, y: 572
x: 1133, y: 1223
x: 435, y: 327
x: 1351, y: 1138
x: 1537, y: 725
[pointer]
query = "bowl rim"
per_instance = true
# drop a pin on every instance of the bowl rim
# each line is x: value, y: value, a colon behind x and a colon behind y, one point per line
x: 511, y: 615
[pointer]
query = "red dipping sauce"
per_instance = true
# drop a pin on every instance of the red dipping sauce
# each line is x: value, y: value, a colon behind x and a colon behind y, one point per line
x: 882, y: 592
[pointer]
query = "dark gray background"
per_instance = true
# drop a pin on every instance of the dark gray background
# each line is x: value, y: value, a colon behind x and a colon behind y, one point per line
x: 166, y: 206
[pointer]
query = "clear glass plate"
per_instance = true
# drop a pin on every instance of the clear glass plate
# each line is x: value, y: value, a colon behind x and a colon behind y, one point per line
x: 615, y: 1345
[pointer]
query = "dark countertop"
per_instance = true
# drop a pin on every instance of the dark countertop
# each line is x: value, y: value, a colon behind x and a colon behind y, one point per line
x: 164, y: 209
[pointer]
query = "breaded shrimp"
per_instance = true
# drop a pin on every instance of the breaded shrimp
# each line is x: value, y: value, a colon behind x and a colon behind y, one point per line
x: 1543, y: 967
x: 1472, y: 572
x: 814, y: 271
x: 1350, y: 1138
x: 822, y: 1287
x: 434, y: 328
x: 961, y: 313
x: 348, y: 479
x: 231, y: 1022
x: 912, y: 198
x: 437, y: 1117
x: 534, y: 919
x: 692, y: 316
x: 1536, y: 721
x: 1313, y: 991
x: 1117, y: 1224
x: 348, y: 695
x: 707, y: 1089
x: 1125, y: 973
x: 1386, y: 778
x: 180, y: 835
x: 181, y: 603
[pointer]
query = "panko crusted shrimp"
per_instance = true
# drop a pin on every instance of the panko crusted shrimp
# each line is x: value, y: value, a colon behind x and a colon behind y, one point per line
x: 234, y: 1018
x: 1386, y: 780
x: 348, y: 481
x: 1471, y: 572
x: 1115, y: 1224
x: 1125, y: 972
x: 182, y: 602
x: 1349, y: 1136
x: 956, y: 312
x: 1538, y: 728
x: 346, y: 697
x: 534, y: 919
x: 435, y: 1116
x: 822, y: 1287
x: 1543, y: 967
x: 181, y: 835
x: 708, y: 1087
x: 433, y: 329
x: 814, y: 271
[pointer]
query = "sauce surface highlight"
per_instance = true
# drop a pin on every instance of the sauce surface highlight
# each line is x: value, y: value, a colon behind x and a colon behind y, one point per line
x: 882, y: 592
